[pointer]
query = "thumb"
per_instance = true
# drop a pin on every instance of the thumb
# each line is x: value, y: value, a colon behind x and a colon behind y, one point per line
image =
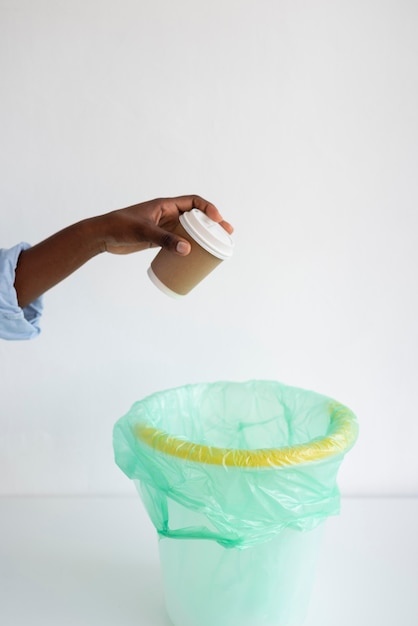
x: 168, y: 240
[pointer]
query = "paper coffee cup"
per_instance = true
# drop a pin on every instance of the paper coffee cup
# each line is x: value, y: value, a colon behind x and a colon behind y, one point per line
x: 210, y: 245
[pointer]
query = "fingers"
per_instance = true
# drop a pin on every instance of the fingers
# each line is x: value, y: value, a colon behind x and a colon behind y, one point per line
x: 186, y: 203
x: 150, y: 224
x: 165, y: 239
x: 229, y: 229
x: 170, y: 241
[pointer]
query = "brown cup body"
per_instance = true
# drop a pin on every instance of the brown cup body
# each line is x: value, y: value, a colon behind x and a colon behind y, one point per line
x: 182, y: 273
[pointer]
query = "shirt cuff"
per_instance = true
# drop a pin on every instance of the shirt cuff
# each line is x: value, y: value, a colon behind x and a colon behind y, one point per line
x: 15, y: 322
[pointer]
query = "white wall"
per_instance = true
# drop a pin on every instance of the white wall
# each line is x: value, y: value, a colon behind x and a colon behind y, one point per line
x: 298, y: 119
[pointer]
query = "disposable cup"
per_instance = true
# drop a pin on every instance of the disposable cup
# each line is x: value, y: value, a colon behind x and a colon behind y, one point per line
x: 210, y: 244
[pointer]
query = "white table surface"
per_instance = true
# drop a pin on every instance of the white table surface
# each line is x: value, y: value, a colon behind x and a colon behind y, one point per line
x: 70, y: 561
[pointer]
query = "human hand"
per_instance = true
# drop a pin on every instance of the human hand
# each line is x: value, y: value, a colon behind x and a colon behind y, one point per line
x: 151, y: 224
x: 135, y: 228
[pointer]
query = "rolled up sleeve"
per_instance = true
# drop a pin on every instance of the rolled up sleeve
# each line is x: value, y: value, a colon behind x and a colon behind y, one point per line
x: 16, y: 322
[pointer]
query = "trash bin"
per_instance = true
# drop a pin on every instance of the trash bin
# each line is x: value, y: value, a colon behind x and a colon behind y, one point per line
x: 237, y: 478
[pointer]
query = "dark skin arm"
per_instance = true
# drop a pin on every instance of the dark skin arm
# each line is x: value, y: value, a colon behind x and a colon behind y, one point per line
x: 138, y: 227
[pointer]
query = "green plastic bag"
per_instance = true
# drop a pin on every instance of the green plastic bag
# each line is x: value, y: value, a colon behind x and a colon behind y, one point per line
x: 252, y: 468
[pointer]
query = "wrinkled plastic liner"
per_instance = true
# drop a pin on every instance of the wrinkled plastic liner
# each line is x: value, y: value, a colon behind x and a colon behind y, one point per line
x: 249, y: 459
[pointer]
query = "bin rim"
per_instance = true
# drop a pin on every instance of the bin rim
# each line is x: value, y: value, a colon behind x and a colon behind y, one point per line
x: 339, y: 438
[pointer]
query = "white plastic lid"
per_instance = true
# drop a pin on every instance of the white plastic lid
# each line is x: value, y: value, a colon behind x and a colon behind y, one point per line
x: 207, y: 233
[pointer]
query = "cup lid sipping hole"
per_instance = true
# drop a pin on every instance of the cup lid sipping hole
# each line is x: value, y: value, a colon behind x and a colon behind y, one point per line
x: 208, y: 234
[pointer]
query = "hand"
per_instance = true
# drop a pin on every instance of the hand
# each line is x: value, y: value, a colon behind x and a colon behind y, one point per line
x: 150, y: 224
x: 135, y: 228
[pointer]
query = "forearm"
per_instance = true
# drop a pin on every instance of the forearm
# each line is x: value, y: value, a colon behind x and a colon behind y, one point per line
x: 49, y: 262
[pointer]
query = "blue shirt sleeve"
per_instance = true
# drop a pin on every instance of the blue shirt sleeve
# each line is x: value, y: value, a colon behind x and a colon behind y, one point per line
x: 15, y: 322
